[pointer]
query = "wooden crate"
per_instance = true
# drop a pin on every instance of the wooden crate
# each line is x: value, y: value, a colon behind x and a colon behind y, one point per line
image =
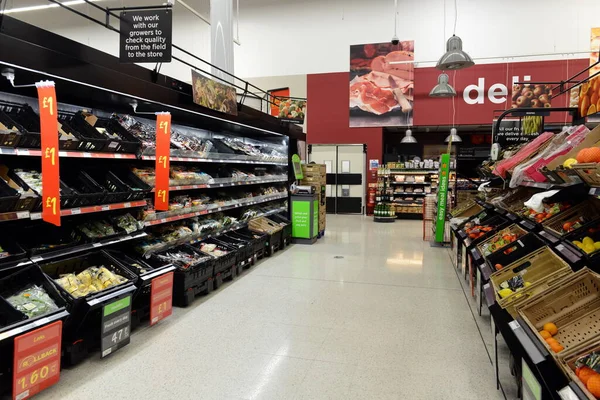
x: 586, y: 212
x: 541, y: 268
x: 589, y: 173
x: 312, y: 168
x: 513, y: 229
x: 573, y: 305
x: 568, y: 359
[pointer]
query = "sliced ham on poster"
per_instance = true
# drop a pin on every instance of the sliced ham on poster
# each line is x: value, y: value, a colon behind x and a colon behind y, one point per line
x: 372, y: 92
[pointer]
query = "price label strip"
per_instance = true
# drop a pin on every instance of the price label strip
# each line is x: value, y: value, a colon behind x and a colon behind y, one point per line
x: 37, y: 360
x: 49, y: 152
x: 163, y: 162
x: 161, y: 297
x: 116, y: 325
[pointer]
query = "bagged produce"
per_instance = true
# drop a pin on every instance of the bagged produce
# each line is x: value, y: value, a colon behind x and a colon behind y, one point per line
x: 90, y: 280
x: 32, y: 301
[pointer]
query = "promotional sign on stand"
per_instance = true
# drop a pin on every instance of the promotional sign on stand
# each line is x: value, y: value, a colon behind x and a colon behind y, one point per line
x: 440, y: 220
x: 49, y: 147
x: 37, y: 360
x: 161, y: 298
x: 163, y: 152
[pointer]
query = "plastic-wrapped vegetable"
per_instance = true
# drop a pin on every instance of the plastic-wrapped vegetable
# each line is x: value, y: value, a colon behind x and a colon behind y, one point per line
x: 90, y: 280
x: 33, y: 301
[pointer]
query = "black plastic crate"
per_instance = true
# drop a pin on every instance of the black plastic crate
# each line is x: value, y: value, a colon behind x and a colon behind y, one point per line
x: 497, y: 222
x: 126, y: 142
x: 259, y: 241
x: 286, y: 232
x: 93, y: 143
x: 67, y: 196
x: 116, y: 190
x: 225, y: 265
x: 10, y: 138
x: 591, y: 230
x: 28, y: 119
x: 53, y: 238
x: 8, y: 197
x: 16, y: 253
x: 88, y: 192
x: 245, y: 249
x: 138, y: 189
x: 191, y: 280
x: 515, y: 251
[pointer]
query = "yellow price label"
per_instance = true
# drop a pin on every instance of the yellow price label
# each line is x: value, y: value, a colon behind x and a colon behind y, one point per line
x: 164, y: 125
x: 163, y: 195
x: 51, y: 203
x: 34, y: 377
x: 162, y: 160
x: 49, y: 103
x: 50, y: 152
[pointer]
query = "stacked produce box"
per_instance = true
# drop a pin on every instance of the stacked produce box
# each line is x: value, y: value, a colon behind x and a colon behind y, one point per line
x: 316, y: 175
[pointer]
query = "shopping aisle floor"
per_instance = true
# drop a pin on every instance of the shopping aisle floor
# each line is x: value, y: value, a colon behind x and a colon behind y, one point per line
x: 370, y: 312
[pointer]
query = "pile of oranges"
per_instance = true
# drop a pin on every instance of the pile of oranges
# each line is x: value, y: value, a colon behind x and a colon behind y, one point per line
x: 590, y: 378
x: 550, y: 330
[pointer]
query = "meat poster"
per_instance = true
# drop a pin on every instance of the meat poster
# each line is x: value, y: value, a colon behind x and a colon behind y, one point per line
x: 381, y: 84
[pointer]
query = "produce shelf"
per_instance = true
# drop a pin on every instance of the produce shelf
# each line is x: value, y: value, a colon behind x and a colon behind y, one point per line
x: 32, y: 325
x: 410, y: 183
x: 14, y: 215
x: 411, y: 194
x: 214, y: 210
x: 220, y: 185
x: 72, y: 154
x: 214, y: 160
x: 94, y: 209
x: 88, y: 246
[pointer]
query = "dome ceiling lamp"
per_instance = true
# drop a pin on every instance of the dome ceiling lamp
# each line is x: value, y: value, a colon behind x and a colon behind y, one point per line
x: 454, y: 58
x: 408, y: 138
x: 443, y: 88
x: 453, y: 136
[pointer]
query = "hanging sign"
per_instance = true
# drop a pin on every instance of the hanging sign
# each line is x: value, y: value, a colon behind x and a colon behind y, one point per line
x: 49, y: 147
x: 163, y: 151
x: 36, y: 360
x: 440, y: 222
x: 116, y: 325
x: 146, y: 36
x: 161, y: 297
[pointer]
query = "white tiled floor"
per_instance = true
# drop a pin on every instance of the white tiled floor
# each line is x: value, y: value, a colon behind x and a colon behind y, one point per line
x: 389, y: 320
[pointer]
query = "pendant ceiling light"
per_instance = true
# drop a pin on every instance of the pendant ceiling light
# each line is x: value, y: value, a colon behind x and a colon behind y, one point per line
x: 408, y: 138
x: 454, y: 58
x: 453, y: 136
x: 443, y: 88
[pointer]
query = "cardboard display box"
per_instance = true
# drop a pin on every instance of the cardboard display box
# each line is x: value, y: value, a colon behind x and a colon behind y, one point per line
x: 312, y: 168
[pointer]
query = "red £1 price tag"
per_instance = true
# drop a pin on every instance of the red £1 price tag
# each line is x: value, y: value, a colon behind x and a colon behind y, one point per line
x: 49, y: 147
x: 163, y: 149
x: 161, y: 297
x: 36, y: 360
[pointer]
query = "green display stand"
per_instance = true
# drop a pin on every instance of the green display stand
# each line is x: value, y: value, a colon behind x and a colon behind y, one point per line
x: 305, y: 218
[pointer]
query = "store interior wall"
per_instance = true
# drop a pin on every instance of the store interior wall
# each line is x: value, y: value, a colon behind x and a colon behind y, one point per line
x: 282, y: 38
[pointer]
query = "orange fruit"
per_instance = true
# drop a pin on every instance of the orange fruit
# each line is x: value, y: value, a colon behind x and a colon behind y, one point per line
x: 586, y: 373
x: 593, y: 385
x: 593, y: 154
x: 556, y: 347
x: 592, y: 109
x: 582, y: 156
x: 545, y: 334
x: 551, y: 341
x: 551, y: 328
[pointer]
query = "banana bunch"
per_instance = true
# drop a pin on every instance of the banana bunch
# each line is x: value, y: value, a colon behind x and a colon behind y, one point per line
x: 531, y: 124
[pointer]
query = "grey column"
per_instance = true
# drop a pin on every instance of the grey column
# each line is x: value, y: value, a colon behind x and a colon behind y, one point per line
x: 221, y: 31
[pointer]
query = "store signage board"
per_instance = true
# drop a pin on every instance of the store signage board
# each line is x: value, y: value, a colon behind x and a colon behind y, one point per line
x: 510, y: 132
x: 440, y: 223
x: 37, y: 360
x: 301, y: 219
x: 163, y: 162
x: 49, y: 147
x: 116, y: 325
x: 161, y: 298
x: 532, y: 390
x: 146, y: 36
x: 213, y: 94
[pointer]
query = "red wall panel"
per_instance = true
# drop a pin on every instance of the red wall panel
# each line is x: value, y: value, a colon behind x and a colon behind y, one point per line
x: 329, y: 116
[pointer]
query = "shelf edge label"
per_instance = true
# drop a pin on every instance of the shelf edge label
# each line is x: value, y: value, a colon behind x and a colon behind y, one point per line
x: 161, y: 297
x: 49, y: 152
x: 163, y: 150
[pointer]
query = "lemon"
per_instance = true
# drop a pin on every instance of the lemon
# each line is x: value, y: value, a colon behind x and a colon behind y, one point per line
x: 578, y: 244
x: 569, y: 163
x: 588, y: 241
x: 527, y: 284
x: 597, y: 245
x: 504, y: 293
x: 589, y: 248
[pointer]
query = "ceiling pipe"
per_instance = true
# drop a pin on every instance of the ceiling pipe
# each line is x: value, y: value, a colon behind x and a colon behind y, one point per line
x: 203, y: 18
x: 502, y: 57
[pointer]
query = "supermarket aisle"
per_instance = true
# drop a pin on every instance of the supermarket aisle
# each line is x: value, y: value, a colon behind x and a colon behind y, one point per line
x: 371, y: 312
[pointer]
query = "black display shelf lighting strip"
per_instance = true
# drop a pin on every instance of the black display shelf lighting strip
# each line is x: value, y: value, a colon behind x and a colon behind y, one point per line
x: 83, y: 154
x: 214, y: 210
x: 225, y: 184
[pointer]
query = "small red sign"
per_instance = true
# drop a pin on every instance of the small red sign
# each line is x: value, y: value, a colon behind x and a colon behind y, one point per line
x: 49, y: 147
x: 163, y: 152
x: 161, y: 298
x: 37, y: 360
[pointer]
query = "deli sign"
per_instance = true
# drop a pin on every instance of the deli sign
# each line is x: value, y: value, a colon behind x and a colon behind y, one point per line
x: 485, y: 89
